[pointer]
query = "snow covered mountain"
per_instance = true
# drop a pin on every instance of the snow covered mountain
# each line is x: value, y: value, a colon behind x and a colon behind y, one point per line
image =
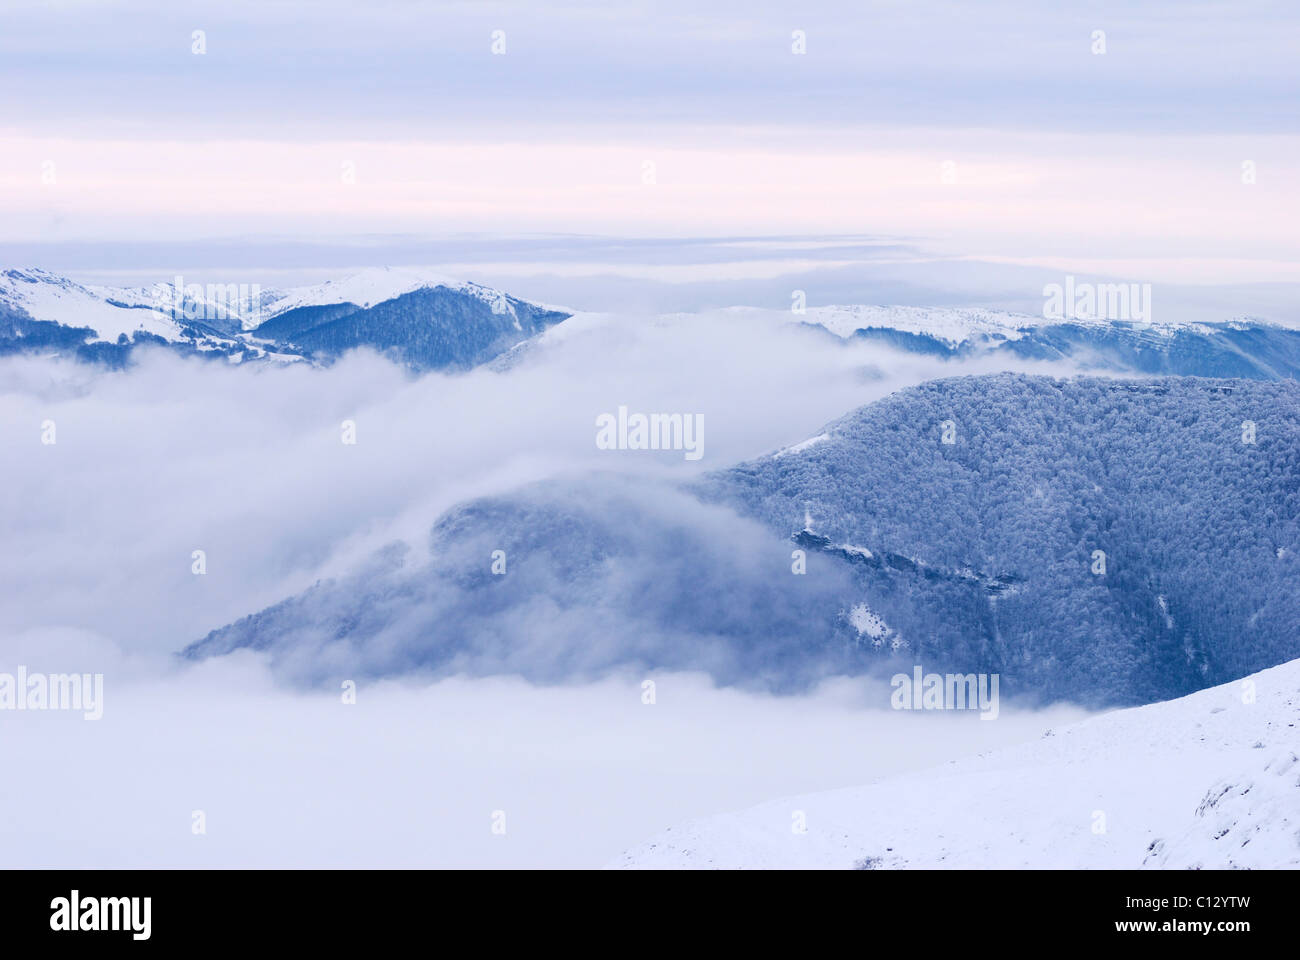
x: 41, y: 312
x: 426, y: 320
x: 108, y: 313
x: 423, y: 319
x: 980, y: 555
x: 1236, y: 347
x: 1076, y: 536
x: 430, y: 321
x: 366, y: 289
x: 951, y: 325
x: 1209, y: 781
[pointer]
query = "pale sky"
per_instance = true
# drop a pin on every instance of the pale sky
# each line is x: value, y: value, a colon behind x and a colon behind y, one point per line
x: 989, y: 130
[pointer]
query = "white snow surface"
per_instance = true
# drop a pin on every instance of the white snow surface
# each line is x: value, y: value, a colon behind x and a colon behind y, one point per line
x: 1211, y: 780
x: 378, y: 285
x: 801, y: 445
x: 47, y: 296
x: 956, y: 325
x: 953, y: 325
x: 864, y: 620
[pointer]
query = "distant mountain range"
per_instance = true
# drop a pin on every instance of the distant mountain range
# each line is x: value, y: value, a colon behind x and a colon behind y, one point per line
x: 424, y: 320
x: 432, y: 322
x: 1246, y: 348
x: 1238, y: 347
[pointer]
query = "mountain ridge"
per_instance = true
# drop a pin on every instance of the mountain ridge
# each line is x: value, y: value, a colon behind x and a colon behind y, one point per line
x: 975, y: 556
x: 425, y: 320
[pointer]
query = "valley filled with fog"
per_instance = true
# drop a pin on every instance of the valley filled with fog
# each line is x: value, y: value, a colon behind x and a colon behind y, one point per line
x: 352, y: 676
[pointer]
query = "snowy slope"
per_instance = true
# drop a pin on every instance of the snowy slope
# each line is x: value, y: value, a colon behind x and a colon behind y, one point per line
x: 953, y: 325
x: 109, y: 312
x: 958, y: 325
x: 801, y: 446
x: 423, y: 318
x: 1236, y: 346
x: 373, y: 286
x: 1211, y: 780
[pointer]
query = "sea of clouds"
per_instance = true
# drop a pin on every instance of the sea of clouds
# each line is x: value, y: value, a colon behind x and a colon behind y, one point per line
x: 246, y: 464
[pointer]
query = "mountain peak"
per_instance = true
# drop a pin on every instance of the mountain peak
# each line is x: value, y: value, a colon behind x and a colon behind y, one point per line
x: 424, y: 317
x: 374, y: 285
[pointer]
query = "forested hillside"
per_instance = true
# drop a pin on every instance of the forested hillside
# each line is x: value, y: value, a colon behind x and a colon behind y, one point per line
x: 1091, y: 540
x: 1198, y: 527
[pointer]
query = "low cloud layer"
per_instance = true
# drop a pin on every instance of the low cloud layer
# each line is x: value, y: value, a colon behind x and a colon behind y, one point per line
x: 248, y: 464
x: 414, y: 775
